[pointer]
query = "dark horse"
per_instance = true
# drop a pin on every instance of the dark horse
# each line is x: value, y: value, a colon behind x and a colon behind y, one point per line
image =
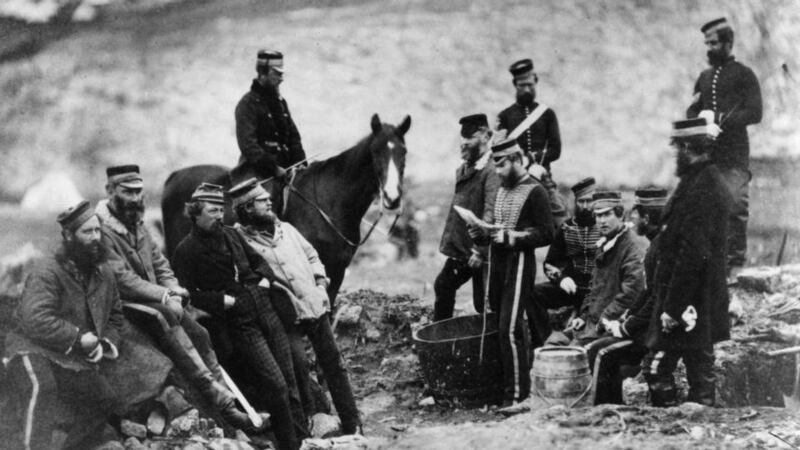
x: 341, y: 187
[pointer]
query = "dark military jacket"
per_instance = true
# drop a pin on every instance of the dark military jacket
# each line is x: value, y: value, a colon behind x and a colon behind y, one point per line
x: 733, y: 93
x: 690, y: 262
x: 266, y: 134
x: 543, y: 134
x: 572, y: 253
x: 476, y: 189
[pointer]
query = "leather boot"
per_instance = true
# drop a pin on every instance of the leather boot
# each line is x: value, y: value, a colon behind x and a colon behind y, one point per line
x: 663, y: 397
x: 187, y: 360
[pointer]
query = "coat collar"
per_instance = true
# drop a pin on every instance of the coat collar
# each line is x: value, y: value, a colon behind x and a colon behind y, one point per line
x: 110, y: 220
x: 605, y: 245
x: 253, y: 231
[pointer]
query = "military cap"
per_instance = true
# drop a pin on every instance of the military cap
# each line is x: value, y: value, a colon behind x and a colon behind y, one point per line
x: 650, y: 197
x: 715, y: 25
x: 521, y: 68
x: 583, y: 188
x: 603, y: 201
x: 208, y: 192
x: 270, y: 58
x: 505, y: 148
x: 245, y: 191
x: 75, y: 216
x: 472, y: 123
x: 127, y: 176
x: 689, y: 128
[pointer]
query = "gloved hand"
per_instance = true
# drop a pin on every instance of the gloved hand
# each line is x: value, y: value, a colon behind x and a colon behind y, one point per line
x: 475, y: 261
x: 264, y: 283
x: 228, y: 301
x: 708, y: 115
x: 576, y: 324
x: 88, y: 342
x: 689, y: 317
x: 667, y: 323
x: 96, y: 354
x: 568, y: 285
x: 614, y: 327
x: 498, y: 236
x: 475, y: 232
x: 175, y: 305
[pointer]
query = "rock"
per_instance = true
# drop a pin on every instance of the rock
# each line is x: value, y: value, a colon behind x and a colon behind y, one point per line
x: 229, y: 444
x: 110, y: 445
x: 183, y: 425
x: 349, y: 442
x: 157, y: 421
x: 697, y: 433
x: 324, y: 425
x: 427, y: 401
x: 372, y: 334
x: 133, y: 443
x: 194, y: 446
x: 400, y: 365
x: 513, y: 410
x: 134, y: 429
x: 736, y: 308
x: 216, y: 432
x: 349, y: 315
x: 759, y: 279
x: 634, y: 392
x: 55, y: 192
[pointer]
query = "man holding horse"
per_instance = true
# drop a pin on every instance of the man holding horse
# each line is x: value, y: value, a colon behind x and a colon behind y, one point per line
x: 267, y: 136
x: 152, y: 296
x: 230, y: 281
x: 520, y: 223
x: 476, y: 188
x: 299, y: 294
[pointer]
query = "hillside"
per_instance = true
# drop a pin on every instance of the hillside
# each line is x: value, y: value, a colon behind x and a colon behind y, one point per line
x: 159, y: 88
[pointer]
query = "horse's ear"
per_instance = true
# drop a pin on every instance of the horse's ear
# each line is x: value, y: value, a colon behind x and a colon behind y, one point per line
x: 402, y: 129
x: 376, y: 124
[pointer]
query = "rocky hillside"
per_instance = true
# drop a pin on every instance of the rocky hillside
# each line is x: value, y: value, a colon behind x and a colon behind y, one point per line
x: 159, y: 87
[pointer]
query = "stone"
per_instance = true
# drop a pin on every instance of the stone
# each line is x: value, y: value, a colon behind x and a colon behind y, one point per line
x: 759, y: 279
x: 427, y: 401
x: 349, y: 315
x: 183, y: 425
x: 133, y: 443
x: 110, y: 445
x: 130, y: 428
x: 194, y: 446
x: 400, y: 365
x: 634, y: 392
x: 216, y: 432
x: 372, y: 334
x: 324, y: 425
x: 230, y: 444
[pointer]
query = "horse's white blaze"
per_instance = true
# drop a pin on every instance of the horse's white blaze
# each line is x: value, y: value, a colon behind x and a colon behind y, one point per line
x: 392, y: 188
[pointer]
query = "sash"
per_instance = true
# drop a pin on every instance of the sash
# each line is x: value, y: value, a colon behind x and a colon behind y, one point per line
x: 530, y: 120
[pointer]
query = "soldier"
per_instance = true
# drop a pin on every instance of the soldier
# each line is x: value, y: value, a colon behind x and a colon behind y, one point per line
x: 618, y: 277
x: 299, y: 294
x: 230, y: 281
x: 569, y: 263
x: 728, y: 95
x: 690, y: 311
x: 267, y: 136
x: 70, y: 320
x: 153, y: 295
x: 522, y: 222
x: 476, y: 188
x: 615, y: 357
x: 535, y: 128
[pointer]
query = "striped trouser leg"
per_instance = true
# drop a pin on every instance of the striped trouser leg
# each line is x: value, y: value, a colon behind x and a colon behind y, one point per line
x: 513, y: 347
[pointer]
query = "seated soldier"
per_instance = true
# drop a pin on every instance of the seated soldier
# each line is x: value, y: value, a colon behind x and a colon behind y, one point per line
x: 569, y: 262
x: 618, y: 276
x: 230, y: 281
x: 303, y: 302
x: 69, y: 323
x: 609, y: 356
x: 153, y: 296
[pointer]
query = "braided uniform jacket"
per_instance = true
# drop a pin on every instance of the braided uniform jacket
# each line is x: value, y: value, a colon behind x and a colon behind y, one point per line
x: 573, y: 252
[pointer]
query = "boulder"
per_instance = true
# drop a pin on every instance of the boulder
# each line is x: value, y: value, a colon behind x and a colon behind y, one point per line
x: 324, y: 425
x: 759, y: 279
x: 133, y: 429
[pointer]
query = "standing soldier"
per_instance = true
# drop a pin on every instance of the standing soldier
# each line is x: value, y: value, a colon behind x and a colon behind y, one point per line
x: 728, y: 96
x: 70, y: 319
x: 569, y: 263
x: 267, y: 136
x: 535, y: 128
x: 522, y: 223
x: 476, y: 188
x: 690, y: 310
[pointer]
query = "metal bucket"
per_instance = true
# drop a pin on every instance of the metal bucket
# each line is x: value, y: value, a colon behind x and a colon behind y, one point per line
x: 449, y: 356
x: 561, y: 376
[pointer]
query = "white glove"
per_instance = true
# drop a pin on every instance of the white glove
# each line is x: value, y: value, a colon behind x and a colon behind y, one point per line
x: 96, y: 354
x: 228, y: 301
x: 264, y: 283
x: 576, y: 324
x: 689, y: 317
x: 667, y: 323
x: 568, y: 285
x: 614, y: 327
x: 706, y: 114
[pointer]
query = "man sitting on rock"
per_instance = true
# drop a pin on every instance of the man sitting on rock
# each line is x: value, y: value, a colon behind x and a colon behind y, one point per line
x: 152, y: 295
x: 299, y: 294
x: 618, y: 277
x: 69, y: 323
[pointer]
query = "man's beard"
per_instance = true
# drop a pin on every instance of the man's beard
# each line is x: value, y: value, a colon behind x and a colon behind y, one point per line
x: 510, y: 180
x: 716, y: 58
x: 85, y: 256
x: 130, y: 213
x: 525, y: 98
x: 642, y: 228
x: 264, y: 220
x: 584, y: 217
x: 471, y: 154
x: 682, y: 164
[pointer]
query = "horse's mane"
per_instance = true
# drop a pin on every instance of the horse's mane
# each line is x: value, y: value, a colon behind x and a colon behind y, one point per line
x: 337, y: 162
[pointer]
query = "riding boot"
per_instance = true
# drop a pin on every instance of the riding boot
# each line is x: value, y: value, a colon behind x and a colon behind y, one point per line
x: 663, y: 396
x: 187, y: 360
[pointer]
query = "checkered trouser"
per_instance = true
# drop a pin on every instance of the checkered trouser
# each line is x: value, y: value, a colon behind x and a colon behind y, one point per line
x: 262, y: 341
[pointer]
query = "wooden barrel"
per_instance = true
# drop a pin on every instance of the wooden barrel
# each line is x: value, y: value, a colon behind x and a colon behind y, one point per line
x: 561, y: 376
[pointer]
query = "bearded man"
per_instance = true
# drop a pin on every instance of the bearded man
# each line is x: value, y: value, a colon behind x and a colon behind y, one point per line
x: 475, y: 190
x: 299, y: 294
x: 521, y: 223
x: 152, y: 296
x: 728, y: 96
x: 68, y: 335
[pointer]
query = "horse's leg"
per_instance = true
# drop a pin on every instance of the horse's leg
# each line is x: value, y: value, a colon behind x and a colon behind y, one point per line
x: 336, y: 274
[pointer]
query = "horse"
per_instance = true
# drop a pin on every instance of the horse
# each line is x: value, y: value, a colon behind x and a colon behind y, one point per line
x: 326, y: 200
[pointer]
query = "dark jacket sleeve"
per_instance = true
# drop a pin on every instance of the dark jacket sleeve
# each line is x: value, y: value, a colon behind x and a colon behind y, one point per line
x: 116, y: 319
x: 247, y: 138
x: 541, y: 233
x: 212, y: 302
x: 749, y: 111
x: 697, y: 103
x: 631, y: 282
x: 557, y: 257
x: 553, y: 139
x: 39, y: 311
x: 295, y: 143
x: 635, y: 325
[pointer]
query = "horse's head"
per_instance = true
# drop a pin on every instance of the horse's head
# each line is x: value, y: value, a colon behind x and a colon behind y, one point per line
x: 388, y: 148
